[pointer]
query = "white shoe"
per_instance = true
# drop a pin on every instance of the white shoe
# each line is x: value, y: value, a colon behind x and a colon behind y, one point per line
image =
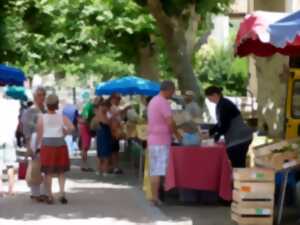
x: 97, y: 173
x: 105, y: 174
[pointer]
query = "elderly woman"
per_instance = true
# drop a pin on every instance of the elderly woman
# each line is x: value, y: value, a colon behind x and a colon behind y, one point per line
x: 51, y: 129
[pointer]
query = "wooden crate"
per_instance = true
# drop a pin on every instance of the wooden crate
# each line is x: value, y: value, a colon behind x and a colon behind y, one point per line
x: 267, y: 149
x: 254, y: 187
x: 248, y: 199
x: 251, y: 220
x: 254, y: 175
x: 253, y: 214
x: 278, y: 161
x: 252, y: 210
x: 253, y: 196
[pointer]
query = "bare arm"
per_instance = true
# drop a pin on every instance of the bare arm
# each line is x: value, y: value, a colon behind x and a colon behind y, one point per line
x: 39, y: 131
x: 173, y: 127
x: 68, y: 126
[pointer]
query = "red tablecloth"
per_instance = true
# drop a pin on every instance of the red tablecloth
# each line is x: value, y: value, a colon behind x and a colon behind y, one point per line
x: 201, y: 168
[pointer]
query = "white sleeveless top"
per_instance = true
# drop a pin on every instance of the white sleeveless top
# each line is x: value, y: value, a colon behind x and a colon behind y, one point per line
x: 53, y: 125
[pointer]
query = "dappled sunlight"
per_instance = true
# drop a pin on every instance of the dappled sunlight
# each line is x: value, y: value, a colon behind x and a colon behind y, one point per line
x: 104, y: 220
x: 72, y: 186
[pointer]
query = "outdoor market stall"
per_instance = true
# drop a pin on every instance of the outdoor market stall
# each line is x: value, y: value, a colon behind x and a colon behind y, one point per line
x: 131, y: 85
x: 264, y: 34
x: 205, y: 168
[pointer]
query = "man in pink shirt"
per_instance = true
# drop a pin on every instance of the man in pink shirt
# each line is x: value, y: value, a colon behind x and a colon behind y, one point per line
x: 160, y: 129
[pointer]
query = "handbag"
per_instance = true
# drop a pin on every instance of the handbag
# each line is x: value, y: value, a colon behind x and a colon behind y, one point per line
x: 22, y: 170
x: 33, y: 173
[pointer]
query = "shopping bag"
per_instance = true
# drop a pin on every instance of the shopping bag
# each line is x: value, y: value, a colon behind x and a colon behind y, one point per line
x: 22, y: 170
x: 33, y: 173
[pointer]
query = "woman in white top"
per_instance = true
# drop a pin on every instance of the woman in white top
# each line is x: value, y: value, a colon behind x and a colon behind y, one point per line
x: 51, y: 129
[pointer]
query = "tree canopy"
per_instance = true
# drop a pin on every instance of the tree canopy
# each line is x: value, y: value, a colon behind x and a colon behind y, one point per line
x: 108, y: 37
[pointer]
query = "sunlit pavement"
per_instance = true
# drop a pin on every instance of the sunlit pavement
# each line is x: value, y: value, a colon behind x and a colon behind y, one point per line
x: 92, y: 200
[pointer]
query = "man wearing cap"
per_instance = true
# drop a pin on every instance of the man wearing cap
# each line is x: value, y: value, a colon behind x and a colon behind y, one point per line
x: 190, y: 105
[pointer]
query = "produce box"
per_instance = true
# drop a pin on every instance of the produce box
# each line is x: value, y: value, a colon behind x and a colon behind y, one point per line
x: 278, y: 155
x: 254, y: 174
x: 253, y: 196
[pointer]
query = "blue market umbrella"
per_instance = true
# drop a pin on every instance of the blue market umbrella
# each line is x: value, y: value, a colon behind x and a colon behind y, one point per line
x: 15, y: 92
x: 11, y: 76
x: 128, y: 85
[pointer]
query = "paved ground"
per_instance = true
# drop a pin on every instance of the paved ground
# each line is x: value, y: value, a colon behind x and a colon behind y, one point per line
x: 92, y: 200
x: 117, y: 200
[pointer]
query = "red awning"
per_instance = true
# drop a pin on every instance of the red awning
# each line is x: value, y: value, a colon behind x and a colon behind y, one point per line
x: 254, y: 38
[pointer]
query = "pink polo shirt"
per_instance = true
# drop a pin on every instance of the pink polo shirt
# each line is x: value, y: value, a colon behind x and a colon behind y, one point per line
x: 159, y: 132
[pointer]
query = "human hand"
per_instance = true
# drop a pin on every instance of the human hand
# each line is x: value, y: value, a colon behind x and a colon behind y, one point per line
x: 204, y: 134
x: 178, y: 136
x: 29, y: 153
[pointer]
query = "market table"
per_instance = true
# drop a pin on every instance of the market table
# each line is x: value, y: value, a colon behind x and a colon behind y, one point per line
x: 205, y: 168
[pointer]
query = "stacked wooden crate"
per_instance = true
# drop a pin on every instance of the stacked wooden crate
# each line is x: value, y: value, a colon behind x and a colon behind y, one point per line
x: 253, y: 196
x: 278, y: 155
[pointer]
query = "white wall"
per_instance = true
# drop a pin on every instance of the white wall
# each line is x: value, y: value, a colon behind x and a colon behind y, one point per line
x: 220, y: 32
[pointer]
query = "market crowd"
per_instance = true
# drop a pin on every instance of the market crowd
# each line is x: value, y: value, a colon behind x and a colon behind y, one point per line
x: 50, y: 134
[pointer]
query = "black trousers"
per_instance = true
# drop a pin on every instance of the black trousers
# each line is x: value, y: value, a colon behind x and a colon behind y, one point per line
x: 238, y: 154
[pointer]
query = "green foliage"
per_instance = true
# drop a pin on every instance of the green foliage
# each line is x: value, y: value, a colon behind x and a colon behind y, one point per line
x: 73, y: 36
x: 179, y: 7
x: 97, y: 37
x: 216, y: 65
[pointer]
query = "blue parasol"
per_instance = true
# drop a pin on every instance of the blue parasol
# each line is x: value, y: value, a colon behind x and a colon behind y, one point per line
x: 128, y: 85
x: 11, y: 76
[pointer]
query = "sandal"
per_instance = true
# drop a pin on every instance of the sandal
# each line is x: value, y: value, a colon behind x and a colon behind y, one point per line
x: 49, y: 200
x: 63, y: 200
x: 156, y: 203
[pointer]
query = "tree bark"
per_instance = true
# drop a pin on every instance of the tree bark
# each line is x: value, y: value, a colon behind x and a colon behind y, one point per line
x: 271, y: 96
x: 146, y: 66
x: 174, y: 35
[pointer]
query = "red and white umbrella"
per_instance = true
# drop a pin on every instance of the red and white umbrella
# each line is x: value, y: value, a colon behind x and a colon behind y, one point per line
x: 255, y: 35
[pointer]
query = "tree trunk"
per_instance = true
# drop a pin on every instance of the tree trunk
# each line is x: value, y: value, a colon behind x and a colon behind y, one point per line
x: 271, y: 96
x: 146, y: 66
x: 181, y: 63
x: 173, y: 33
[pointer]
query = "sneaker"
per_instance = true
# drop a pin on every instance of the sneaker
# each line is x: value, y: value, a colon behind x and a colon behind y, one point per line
x: 117, y: 171
x: 63, y: 200
x: 98, y: 173
x: 105, y: 174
